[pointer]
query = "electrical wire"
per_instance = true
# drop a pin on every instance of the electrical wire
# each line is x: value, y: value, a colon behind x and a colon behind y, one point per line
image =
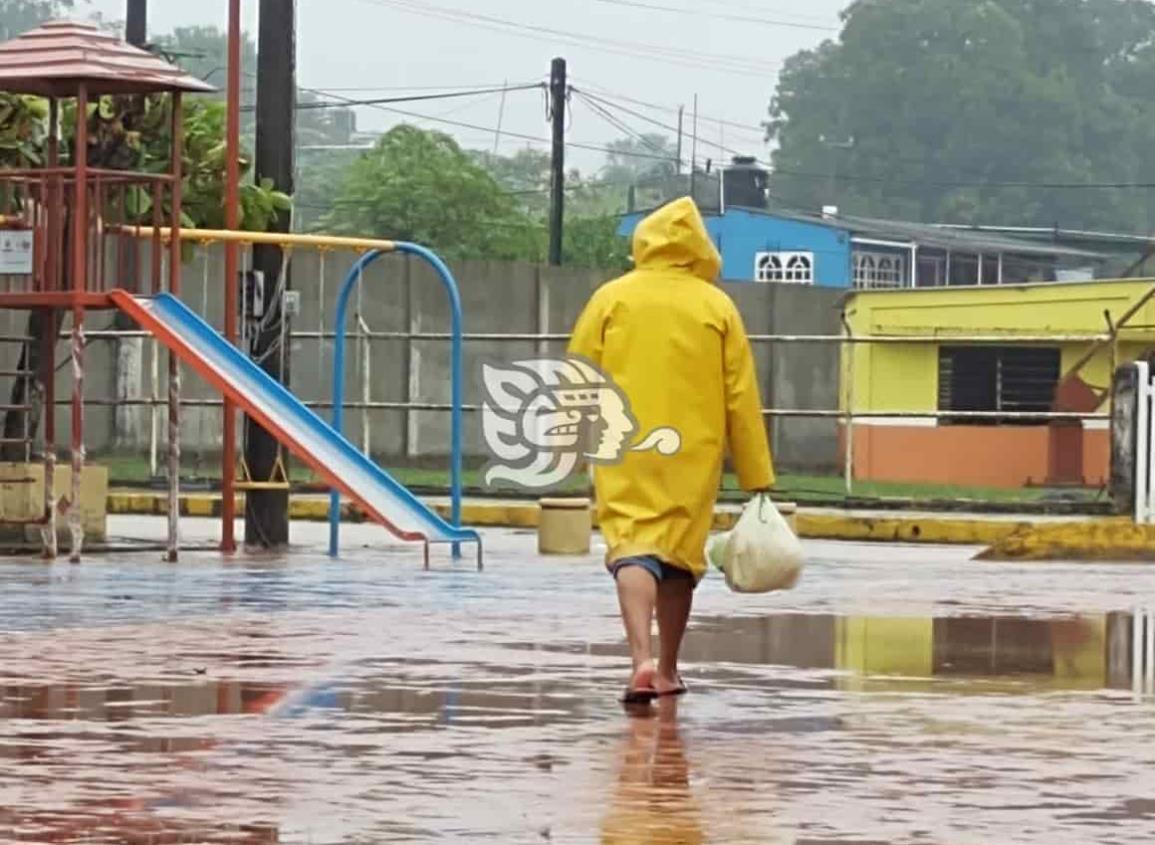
x: 308, y: 105
x: 622, y: 127
x: 762, y: 7
x: 960, y: 183
x: 593, y: 100
x: 495, y: 85
x: 492, y: 129
x: 700, y: 12
x: 589, y: 86
x: 800, y: 174
x: 636, y: 50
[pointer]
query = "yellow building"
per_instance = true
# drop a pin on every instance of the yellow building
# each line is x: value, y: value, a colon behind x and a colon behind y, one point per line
x: 897, y: 381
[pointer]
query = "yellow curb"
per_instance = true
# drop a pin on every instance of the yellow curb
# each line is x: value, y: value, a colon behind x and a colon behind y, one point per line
x: 1117, y: 540
x: 904, y: 529
x: 825, y: 526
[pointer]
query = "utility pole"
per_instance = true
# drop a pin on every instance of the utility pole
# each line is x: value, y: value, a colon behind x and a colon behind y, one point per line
x: 500, y: 117
x: 558, y: 91
x: 136, y: 23
x: 267, y: 509
x: 681, y: 113
x: 694, y: 154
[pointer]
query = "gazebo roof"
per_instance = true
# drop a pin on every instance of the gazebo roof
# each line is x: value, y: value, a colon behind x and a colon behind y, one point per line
x: 53, y: 60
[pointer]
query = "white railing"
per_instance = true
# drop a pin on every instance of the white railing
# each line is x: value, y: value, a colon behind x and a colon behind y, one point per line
x: 1144, y: 440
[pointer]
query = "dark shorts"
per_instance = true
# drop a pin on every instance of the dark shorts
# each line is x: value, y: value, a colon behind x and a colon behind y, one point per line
x: 661, y: 570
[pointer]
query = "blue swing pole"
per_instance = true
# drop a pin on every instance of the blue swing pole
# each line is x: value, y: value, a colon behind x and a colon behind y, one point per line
x: 456, y: 367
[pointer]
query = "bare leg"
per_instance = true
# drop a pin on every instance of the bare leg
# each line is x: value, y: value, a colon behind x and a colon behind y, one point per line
x: 637, y: 596
x: 675, y: 597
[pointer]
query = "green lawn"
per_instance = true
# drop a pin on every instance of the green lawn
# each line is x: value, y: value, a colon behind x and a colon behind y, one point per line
x: 811, y: 488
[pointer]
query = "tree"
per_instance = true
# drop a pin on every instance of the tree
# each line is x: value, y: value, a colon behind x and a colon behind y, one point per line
x: 19, y: 16
x: 645, y: 158
x: 203, y: 51
x: 926, y: 109
x: 419, y: 185
x: 525, y: 175
x: 320, y: 175
x: 127, y: 132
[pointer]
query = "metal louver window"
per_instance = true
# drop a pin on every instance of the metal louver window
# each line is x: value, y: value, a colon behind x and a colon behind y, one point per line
x: 1016, y: 379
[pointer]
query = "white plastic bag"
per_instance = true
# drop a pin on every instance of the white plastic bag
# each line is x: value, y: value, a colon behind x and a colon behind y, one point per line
x: 761, y: 554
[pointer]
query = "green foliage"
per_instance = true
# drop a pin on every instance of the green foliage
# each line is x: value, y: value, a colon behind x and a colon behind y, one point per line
x: 132, y: 132
x: 23, y: 130
x: 922, y: 104
x: 203, y: 51
x: 594, y: 242
x: 421, y: 186
x: 525, y: 175
x: 648, y: 157
x: 19, y: 16
x: 205, y: 163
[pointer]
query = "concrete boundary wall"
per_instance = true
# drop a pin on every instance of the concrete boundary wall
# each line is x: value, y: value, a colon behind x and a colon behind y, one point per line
x: 400, y: 294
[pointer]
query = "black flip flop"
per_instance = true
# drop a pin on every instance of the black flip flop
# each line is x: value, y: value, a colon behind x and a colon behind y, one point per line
x: 639, y: 696
x: 680, y: 689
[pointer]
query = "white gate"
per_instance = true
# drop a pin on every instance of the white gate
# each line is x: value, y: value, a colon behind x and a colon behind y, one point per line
x: 1144, y: 440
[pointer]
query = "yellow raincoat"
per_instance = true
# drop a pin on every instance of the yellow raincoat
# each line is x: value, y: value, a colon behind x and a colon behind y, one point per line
x: 674, y: 343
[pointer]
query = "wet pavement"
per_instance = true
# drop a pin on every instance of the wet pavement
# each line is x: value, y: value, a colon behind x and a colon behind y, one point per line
x: 899, y: 694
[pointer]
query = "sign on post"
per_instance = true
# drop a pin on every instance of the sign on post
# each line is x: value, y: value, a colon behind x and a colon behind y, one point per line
x: 15, y: 252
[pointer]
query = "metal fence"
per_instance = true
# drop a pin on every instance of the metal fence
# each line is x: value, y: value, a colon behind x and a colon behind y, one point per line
x: 365, y: 337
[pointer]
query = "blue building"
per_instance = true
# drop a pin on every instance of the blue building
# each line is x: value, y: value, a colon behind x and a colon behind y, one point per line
x: 760, y: 244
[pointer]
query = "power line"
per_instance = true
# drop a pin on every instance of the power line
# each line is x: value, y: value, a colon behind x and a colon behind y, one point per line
x: 887, y: 180
x: 491, y: 129
x: 687, y: 58
x: 925, y: 183
x: 344, y: 102
x: 761, y: 6
x: 622, y: 127
x: 589, y: 98
x: 355, y: 88
x: 959, y: 183
x: 717, y: 15
x: 667, y: 108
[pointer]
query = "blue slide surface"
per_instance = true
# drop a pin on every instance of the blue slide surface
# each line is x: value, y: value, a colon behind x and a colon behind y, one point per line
x: 301, y: 430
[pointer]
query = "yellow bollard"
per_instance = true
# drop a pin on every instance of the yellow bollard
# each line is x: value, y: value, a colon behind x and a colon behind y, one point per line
x: 564, y: 526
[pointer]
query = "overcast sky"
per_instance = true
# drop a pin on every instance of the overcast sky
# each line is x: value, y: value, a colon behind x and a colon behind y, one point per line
x: 725, y: 51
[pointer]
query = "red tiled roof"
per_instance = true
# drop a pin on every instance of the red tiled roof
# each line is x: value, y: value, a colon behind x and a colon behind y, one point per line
x: 54, y: 59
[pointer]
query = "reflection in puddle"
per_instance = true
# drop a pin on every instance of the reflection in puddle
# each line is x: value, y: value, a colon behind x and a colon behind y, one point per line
x: 371, y: 711
x: 125, y: 703
x: 1107, y: 651
x: 652, y: 801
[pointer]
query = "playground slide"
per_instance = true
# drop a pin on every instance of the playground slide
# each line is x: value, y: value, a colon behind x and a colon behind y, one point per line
x: 301, y: 430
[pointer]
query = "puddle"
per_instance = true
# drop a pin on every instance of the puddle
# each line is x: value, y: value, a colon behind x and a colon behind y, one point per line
x: 1077, y: 652
x: 361, y: 701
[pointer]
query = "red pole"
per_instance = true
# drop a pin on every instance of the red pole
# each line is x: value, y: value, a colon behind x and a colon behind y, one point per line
x: 79, y: 285
x: 232, y: 221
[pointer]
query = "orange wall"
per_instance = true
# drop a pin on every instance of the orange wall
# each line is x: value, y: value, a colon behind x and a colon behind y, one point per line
x: 981, y: 456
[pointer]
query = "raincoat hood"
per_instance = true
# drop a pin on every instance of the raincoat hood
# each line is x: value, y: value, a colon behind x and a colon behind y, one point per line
x: 675, y: 238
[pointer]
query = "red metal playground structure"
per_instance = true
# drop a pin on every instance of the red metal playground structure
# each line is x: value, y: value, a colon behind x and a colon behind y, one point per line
x: 80, y: 235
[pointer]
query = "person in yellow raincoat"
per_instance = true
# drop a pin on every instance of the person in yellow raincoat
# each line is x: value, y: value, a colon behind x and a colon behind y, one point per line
x: 674, y: 345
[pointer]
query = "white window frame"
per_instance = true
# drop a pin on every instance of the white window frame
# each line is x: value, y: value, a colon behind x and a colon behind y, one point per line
x: 879, y: 270
x: 794, y: 267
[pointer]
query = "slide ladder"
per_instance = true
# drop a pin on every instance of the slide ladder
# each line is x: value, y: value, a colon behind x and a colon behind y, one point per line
x: 303, y: 432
